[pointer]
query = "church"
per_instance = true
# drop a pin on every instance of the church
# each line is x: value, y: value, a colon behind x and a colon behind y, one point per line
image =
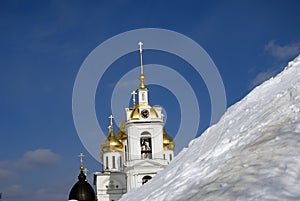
x: 140, y: 149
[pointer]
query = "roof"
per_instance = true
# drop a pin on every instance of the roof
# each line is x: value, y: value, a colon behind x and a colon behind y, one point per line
x: 82, y: 190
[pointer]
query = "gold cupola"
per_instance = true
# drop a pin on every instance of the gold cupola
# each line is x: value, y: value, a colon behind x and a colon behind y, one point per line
x: 168, y: 143
x: 111, y: 143
x: 135, y: 114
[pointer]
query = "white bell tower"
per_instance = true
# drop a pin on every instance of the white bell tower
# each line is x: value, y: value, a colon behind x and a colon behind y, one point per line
x: 144, y: 127
x: 141, y: 149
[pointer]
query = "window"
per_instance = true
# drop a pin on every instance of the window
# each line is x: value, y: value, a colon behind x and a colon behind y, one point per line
x: 145, y: 179
x: 146, y: 147
x: 170, y: 157
x: 121, y: 162
x: 114, y: 162
x: 164, y: 156
x: 106, y: 163
x: 143, y: 96
x: 126, y: 153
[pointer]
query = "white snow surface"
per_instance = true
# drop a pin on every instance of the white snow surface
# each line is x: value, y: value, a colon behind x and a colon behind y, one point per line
x: 252, y: 153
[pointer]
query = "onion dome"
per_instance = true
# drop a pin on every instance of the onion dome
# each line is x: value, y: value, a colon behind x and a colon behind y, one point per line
x: 111, y: 143
x: 121, y: 131
x: 168, y: 143
x: 82, y: 190
x: 135, y: 114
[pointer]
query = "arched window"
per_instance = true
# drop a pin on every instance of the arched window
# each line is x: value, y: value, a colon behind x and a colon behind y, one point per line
x: 106, y: 162
x: 145, y: 179
x: 114, y: 162
x: 126, y: 156
x: 146, y: 146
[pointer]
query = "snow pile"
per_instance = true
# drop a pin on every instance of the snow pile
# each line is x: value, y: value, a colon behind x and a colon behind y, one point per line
x: 252, y: 153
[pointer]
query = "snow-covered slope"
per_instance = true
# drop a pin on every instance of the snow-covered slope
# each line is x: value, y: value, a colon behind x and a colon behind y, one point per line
x: 252, y: 153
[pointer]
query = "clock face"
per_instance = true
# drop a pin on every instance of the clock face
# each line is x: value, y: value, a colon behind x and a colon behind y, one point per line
x: 145, y: 113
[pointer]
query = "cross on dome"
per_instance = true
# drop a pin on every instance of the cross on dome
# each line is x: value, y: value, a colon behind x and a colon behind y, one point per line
x: 81, y: 167
x: 140, y: 44
x: 133, y: 93
x: 111, y: 120
x: 81, y: 157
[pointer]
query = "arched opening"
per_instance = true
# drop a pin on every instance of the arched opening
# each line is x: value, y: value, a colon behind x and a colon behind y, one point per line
x: 146, y: 147
x: 145, y: 179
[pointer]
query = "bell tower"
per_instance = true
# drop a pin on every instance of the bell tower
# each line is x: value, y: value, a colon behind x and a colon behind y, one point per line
x: 144, y: 126
x: 141, y: 149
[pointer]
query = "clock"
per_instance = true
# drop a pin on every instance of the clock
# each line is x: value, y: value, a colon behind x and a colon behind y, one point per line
x: 145, y: 113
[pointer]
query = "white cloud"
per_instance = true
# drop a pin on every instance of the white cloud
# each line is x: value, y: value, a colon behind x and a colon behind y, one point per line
x: 282, y: 52
x: 39, y: 158
x: 31, y: 159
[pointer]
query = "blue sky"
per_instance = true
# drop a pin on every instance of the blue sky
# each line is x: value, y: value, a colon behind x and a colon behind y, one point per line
x: 44, y: 43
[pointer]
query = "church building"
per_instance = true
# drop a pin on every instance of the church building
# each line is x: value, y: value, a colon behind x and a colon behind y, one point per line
x: 140, y: 149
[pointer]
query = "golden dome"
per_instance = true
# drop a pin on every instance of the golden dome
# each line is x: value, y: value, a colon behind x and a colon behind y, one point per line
x: 111, y: 143
x: 168, y: 142
x: 135, y: 114
x: 121, y: 131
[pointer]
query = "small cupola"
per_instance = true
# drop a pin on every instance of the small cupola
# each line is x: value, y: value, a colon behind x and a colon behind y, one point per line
x: 82, y: 190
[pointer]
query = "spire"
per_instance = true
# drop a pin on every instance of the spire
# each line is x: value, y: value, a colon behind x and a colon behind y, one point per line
x: 142, y: 78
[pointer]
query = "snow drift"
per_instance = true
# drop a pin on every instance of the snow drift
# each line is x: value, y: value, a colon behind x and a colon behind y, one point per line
x: 252, y: 153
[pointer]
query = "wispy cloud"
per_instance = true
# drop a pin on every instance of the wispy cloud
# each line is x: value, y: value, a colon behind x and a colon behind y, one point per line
x: 51, y: 193
x: 263, y: 76
x: 6, y: 171
x: 282, y: 52
x: 14, y: 192
x: 5, y: 174
x: 11, y: 171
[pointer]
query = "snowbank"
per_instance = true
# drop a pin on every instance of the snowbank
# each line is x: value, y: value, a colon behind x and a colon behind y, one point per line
x: 252, y: 153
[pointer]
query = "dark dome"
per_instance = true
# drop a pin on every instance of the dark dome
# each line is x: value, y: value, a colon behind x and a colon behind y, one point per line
x: 82, y: 190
